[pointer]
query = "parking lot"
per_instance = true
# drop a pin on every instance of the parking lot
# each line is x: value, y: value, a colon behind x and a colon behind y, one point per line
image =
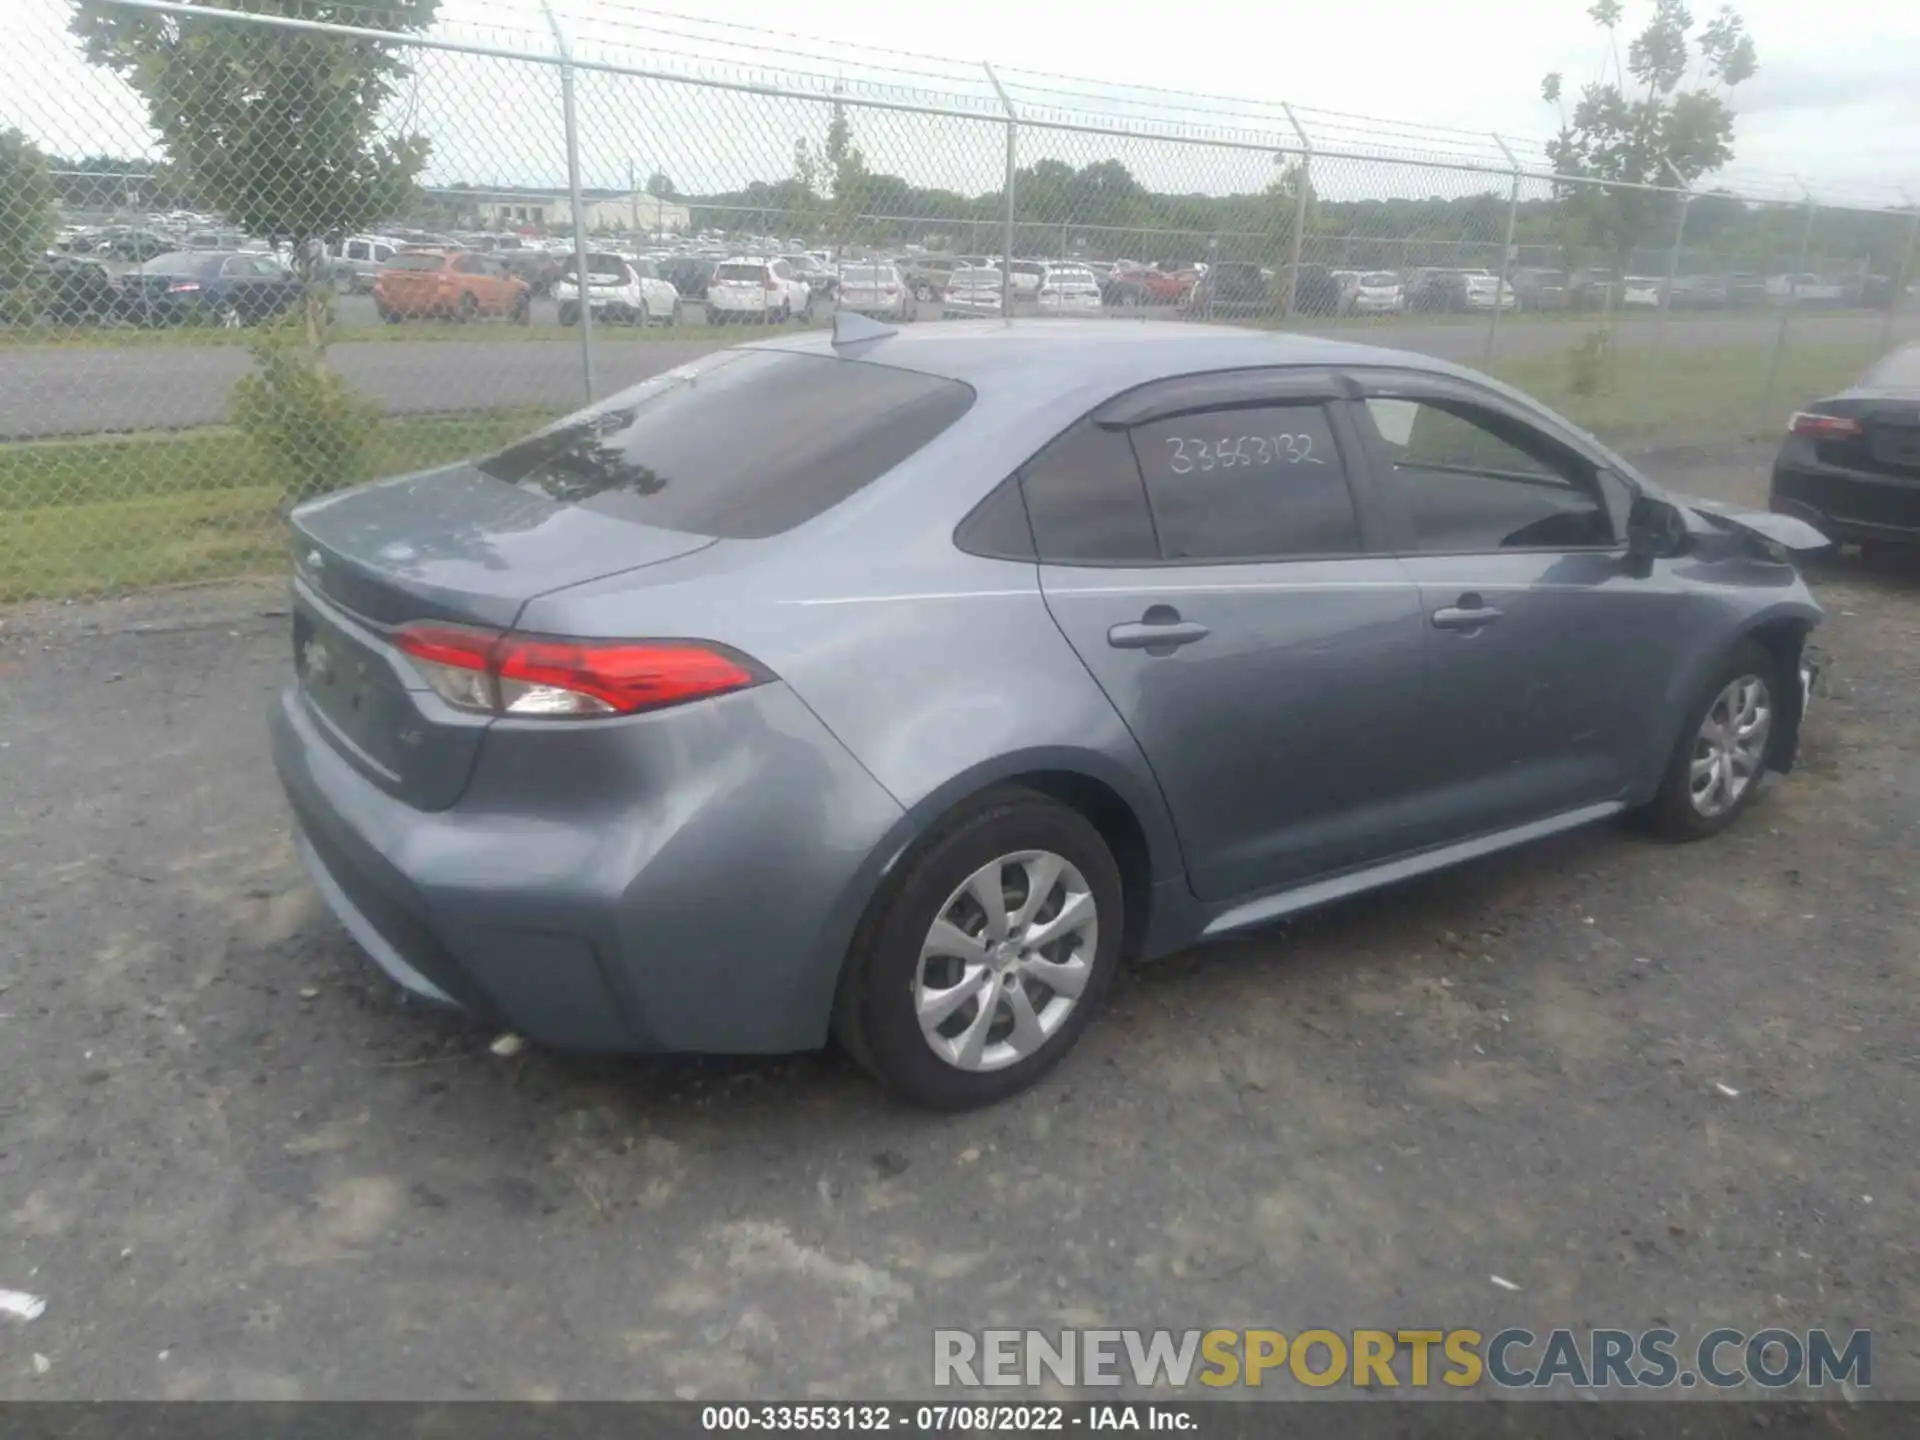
x: 1639, y: 1084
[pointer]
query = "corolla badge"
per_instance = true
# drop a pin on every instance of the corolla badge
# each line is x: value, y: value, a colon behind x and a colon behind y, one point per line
x: 315, y: 560
x: 315, y: 660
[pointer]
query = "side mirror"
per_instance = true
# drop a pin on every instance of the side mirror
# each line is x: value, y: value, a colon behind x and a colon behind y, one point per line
x: 1654, y: 529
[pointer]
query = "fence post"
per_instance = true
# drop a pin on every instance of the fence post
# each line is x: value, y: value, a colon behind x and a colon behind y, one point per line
x: 580, y: 273
x: 1299, y: 210
x: 1786, y: 308
x: 1506, y: 252
x: 1673, y: 260
x: 1013, y: 132
x: 1901, y: 276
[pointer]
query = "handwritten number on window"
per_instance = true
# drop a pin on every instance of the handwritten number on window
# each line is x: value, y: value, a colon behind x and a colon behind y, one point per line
x: 1254, y: 451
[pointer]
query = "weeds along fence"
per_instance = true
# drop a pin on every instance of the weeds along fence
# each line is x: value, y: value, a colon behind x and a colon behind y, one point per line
x: 131, y: 453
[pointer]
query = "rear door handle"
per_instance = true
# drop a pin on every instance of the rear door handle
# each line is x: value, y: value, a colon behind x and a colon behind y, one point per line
x: 1464, y: 617
x: 1154, y: 634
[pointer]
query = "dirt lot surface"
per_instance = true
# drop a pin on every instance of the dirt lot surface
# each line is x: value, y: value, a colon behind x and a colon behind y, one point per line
x: 236, y: 1165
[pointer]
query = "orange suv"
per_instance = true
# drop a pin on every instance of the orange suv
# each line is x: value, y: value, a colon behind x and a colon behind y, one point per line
x: 449, y: 285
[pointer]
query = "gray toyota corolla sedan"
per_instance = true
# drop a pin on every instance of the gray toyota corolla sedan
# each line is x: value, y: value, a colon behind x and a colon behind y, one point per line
x: 895, y: 686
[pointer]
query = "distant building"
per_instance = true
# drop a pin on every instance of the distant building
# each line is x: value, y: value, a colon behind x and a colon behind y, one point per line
x: 515, y: 209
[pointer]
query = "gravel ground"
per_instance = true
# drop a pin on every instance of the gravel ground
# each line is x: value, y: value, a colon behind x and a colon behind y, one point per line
x: 236, y: 1165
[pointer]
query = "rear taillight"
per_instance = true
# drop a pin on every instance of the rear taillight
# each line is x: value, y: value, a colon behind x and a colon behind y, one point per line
x: 506, y: 674
x: 1823, y: 427
x: 771, y: 283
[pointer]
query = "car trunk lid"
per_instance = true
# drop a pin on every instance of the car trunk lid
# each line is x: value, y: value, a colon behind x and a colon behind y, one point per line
x: 451, y: 545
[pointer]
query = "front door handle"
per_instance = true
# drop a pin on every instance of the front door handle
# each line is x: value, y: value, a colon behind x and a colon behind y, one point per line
x: 1160, y: 631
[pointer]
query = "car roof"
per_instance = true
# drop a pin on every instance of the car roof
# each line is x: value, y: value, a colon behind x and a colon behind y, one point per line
x: 1061, y: 356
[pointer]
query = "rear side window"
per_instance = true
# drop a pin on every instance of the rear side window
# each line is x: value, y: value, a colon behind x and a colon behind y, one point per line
x: 1085, y: 500
x: 741, y: 445
x: 1262, y: 482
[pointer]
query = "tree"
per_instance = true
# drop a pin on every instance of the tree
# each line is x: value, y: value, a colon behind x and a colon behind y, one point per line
x: 847, y: 175
x: 281, y: 131
x: 660, y: 186
x: 1665, y: 113
x: 26, y: 210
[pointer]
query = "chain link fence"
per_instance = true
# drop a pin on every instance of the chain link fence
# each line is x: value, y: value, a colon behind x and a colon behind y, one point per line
x: 246, y: 258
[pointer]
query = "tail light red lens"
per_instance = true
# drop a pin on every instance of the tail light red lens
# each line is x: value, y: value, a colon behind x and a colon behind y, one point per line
x: 772, y: 284
x: 1823, y: 427
x: 507, y: 674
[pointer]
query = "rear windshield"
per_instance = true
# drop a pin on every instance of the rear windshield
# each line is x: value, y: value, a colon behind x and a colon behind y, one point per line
x: 405, y: 261
x: 1898, y: 371
x: 180, y: 262
x: 867, y: 274
x: 1379, y: 279
x: 599, y: 267
x: 1027, y: 267
x: 755, y: 273
x: 672, y: 451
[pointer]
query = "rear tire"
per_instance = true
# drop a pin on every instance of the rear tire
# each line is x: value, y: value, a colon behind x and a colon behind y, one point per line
x: 569, y: 313
x: 392, y: 317
x: 523, y: 309
x: 1719, y: 749
x: 894, y: 968
x: 469, y: 310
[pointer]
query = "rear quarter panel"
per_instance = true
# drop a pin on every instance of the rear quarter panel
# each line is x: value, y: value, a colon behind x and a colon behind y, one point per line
x: 941, y: 672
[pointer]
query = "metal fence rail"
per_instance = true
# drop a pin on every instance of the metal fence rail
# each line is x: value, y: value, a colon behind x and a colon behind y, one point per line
x: 131, y: 453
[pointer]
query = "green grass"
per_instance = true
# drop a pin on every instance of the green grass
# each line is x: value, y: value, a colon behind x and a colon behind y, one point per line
x: 1685, y: 396
x: 89, y: 517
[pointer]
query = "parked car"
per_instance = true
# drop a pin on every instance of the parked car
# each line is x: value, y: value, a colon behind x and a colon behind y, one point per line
x: 123, y: 242
x: 1376, y: 292
x: 619, y: 290
x: 1851, y: 463
x: 1535, y: 288
x: 1148, y: 285
x: 1316, y: 292
x: 663, y: 731
x: 754, y: 288
x: 975, y: 290
x: 1593, y: 289
x: 873, y: 288
x: 689, y: 275
x: 1807, y: 289
x: 207, y: 287
x: 537, y: 266
x: 927, y: 275
x: 1024, y: 277
x: 1233, y: 289
x: 360, y: 259
x: 459, y: 285
x: 1641, y: 292
x: 1458, y: 291
x: 59, y: 290
x: 1066, y: 290
x: 1700, y: 292
x: 813, y: 272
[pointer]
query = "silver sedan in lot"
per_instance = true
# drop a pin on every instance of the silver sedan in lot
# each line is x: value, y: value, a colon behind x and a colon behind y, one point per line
x: 895, y: 685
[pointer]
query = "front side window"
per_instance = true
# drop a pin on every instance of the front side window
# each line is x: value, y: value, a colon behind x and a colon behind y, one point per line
x: 1252, y: 483
x: 1470, y: 479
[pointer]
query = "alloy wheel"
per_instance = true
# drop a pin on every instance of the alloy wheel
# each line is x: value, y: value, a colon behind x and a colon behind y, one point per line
x: 1006, y: 960
x: 1730, y: 747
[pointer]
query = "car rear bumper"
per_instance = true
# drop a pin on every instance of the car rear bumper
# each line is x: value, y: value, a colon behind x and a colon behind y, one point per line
x: 682, y: 881
x: 1843, y: 503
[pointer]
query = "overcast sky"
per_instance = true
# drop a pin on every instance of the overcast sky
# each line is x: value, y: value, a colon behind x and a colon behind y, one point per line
x: 1836, y: 100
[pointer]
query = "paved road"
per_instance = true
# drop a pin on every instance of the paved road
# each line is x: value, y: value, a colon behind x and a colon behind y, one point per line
x: 83, y: 390
x: 236, y: 1166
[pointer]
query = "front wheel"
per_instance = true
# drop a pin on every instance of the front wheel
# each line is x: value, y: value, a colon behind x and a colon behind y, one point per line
x: 977, y: 969
x: 1715, y: 770
x: 523, y: 310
